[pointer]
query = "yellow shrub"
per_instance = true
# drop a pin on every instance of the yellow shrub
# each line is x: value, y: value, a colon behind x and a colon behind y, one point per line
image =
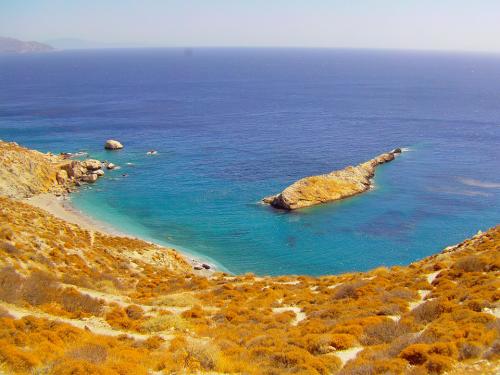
x: 16, y: 359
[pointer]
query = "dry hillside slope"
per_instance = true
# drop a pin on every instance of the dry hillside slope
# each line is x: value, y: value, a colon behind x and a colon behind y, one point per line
x: 74, y: 301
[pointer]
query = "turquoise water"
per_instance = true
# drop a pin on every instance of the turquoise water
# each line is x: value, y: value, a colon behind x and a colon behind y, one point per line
x: 232, y: 126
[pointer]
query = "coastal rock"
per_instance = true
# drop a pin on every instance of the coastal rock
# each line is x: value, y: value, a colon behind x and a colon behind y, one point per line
x: 110, y: 166
x: 62, y: 177
x: 90, y: 178
x: 74, y: 169
x: 92, y: 164
x: 99, y: 173
x: 111, y: 144
x: 313, y: 190
x: 24, y: 172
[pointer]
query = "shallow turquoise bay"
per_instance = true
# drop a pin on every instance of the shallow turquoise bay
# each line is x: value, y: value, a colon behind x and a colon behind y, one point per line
x: 232, y: 126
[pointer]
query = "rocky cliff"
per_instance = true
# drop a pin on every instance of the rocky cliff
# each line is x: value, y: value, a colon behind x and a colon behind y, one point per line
x: 333, y: 186
x: 24, y: 172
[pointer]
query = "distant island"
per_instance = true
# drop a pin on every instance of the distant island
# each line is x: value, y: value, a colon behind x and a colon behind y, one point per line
x: 11, y: 45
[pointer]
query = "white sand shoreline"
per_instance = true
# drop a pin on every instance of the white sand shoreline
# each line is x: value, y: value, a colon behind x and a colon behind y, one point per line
x: 61, y: 207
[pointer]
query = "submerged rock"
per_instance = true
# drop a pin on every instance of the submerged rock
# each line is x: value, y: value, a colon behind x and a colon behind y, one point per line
x: 111, y: 144
x: 313, y: 190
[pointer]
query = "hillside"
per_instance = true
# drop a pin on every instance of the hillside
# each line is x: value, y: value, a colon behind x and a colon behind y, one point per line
x: 11, y: 45
x: 74, y: 301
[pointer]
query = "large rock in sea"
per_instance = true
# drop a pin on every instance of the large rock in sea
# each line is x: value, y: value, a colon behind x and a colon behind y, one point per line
x: 313, y: 190
x: 111, y: 144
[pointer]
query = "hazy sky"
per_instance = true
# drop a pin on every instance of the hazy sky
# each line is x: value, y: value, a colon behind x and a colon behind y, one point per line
x: 412, y: 24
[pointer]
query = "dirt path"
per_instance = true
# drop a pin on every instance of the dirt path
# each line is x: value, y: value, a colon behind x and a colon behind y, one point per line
x: 94, y: 324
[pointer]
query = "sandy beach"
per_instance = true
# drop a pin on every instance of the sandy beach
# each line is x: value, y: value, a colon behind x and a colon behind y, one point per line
x: 61, y: 207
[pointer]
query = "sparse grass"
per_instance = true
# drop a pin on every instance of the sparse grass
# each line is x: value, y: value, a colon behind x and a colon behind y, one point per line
x: 134, y: 312
x: 430, y: 310
x: 10, y: 282
x: 164, y: 322
x: 40, y: 288
x: 9, y: 248
x: 383, y: 333
x: 472, y: 263
x: 348, y: 289
x: 177, y: 300
x: 76, y: 302
x: 93, y: 353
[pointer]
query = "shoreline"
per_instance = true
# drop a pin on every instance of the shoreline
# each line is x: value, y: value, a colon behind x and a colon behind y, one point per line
x: 62, y: 208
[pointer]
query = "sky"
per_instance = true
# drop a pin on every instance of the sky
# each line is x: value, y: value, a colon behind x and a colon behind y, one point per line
x: 466, y: 25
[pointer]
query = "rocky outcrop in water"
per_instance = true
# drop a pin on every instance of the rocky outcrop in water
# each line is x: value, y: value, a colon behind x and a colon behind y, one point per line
x: 313, y: 190
x: 111, y: 144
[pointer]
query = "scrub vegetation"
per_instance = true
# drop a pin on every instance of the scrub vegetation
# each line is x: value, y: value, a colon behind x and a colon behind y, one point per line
x: 77, y: 302
x: 74, y: 301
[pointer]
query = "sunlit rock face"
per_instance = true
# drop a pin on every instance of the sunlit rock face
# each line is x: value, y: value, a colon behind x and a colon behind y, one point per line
x: 313, y: 190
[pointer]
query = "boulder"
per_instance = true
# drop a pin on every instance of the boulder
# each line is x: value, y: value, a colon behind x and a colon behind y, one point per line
x: 110, y: 166
x: 99, y: 173
x: 91, y: 164
x: 111, y: 144
x: 90, y: 178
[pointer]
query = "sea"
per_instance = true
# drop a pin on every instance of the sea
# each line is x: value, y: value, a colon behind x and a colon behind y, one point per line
x: 231, y: 126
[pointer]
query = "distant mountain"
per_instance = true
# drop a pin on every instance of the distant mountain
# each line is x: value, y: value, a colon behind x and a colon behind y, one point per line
x: 11, y: 45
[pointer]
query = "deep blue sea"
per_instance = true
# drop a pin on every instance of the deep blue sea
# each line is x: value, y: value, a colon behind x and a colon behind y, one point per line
x: 234, y: 125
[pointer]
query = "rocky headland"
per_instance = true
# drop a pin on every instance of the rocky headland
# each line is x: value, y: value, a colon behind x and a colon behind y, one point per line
x: 341, y: 184
x: 26, y: 172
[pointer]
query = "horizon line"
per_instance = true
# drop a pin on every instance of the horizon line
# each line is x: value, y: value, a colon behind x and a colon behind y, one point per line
x: 394, y: 49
